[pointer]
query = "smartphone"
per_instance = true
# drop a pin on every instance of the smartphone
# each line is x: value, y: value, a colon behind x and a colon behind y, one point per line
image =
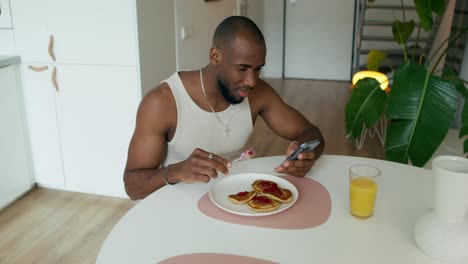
x: 304, y: 147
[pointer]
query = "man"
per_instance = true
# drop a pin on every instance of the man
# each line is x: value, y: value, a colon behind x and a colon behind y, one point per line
x: 190, y: 124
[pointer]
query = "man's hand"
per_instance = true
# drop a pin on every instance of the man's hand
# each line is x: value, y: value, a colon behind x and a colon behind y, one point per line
x: 201, y: 166
x: 298, y: 167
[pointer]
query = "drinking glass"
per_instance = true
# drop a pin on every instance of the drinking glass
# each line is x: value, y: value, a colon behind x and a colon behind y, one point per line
x: 362, y: 190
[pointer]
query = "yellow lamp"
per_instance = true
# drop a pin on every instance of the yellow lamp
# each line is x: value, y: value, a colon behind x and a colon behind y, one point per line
x: 380, y: 77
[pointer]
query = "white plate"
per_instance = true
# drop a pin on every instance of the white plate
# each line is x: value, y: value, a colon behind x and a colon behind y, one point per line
x: 233, y: 184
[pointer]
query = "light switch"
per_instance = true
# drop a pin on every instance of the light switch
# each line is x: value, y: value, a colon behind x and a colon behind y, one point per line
x: 186, y: 32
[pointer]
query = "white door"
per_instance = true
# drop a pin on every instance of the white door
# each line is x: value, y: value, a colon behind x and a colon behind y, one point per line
x: 41, y: 115
x: 93, y: 32
x: 96, y: 110
x: 30, y: 30
x: 318, y: 39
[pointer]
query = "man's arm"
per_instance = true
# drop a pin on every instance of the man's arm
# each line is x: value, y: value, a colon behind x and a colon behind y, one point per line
x: 156, y: 121
x: 288, y: 123
x: 148, y: 145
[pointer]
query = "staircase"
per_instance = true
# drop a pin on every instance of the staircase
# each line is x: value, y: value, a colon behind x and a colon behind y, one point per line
x: 374, y: 31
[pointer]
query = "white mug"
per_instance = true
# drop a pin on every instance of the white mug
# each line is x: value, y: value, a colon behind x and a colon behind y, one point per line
x: 450, y: 188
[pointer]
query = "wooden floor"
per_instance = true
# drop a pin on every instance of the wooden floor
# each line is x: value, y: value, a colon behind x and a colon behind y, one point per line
x: 322, y: 103
x: 49, y: 226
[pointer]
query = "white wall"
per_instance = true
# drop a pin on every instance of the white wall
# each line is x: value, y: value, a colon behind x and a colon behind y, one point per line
x: 272, y: 28
x: 255, y: 9
x: 319, y: 39
x: 157, y: 47
x: 202, y: 17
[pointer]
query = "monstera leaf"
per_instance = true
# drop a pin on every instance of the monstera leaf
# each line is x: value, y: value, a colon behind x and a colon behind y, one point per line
x: 402, y: 31
x: 422, y: 108
x: 424, y: 8
x: 366, y: 104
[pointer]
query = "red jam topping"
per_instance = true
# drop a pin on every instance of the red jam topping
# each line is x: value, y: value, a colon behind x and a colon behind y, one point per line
x: 262, y: 200
x: 273, y: 190
x: 268, y: 184
x: 242, y: 194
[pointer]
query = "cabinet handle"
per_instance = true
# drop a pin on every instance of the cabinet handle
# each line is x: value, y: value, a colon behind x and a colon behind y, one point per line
x: 53, y: 78
x: 50, y: 49
x: 38, y: 69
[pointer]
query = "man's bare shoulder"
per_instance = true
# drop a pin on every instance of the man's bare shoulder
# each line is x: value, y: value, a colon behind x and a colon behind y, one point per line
x: 158, y: 99
x: 157, y: 109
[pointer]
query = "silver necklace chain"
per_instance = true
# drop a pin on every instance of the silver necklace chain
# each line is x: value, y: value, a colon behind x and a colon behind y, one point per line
x: 227, y: 127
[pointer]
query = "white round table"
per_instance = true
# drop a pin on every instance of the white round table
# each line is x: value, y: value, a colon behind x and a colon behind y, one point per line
x: 168, y: 223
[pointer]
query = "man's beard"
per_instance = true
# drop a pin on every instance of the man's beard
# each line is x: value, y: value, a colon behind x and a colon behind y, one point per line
x: 228, y: 94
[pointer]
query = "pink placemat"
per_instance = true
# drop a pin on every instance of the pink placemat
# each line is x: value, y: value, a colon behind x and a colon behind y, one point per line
x: 312, y: 208
x: 214, y: 258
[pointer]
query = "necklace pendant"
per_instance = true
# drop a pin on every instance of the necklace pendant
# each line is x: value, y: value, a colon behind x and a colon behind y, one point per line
x: 227, y: 131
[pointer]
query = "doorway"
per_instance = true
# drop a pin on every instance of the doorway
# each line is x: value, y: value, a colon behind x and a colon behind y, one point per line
x: 306, y: 39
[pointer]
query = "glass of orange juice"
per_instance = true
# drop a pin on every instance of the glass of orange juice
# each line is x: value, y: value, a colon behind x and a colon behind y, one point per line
x: 362, y: 190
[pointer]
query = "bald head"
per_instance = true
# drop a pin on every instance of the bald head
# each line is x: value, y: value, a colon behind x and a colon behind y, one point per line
x: 236, y: 26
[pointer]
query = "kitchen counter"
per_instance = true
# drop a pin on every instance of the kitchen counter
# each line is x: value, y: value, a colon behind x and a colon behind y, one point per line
x: 6, y: 60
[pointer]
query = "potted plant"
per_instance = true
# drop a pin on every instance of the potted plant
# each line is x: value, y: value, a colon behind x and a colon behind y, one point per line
x: 421, y: 105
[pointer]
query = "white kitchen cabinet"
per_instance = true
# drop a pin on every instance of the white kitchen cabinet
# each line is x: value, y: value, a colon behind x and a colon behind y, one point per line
x: 93, y: 32
x: 7, y: 41
x: 15, y: 161
x: 30, y: 30
x: 41, y: 112
x: 106, y: 53
x: 96, y: 117
x: 84, y: 32
x: 5, y: 15
x: 80, y: 133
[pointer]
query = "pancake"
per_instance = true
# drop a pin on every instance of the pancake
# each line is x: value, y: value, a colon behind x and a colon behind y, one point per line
x: 260, y: 185
x: 263, y: 204
x: 278, y: 194
x: 242, y: 197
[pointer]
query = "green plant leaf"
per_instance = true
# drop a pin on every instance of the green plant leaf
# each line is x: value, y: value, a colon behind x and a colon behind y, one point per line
x: 451, y: 75
x: 374, y: 58
x: 438, y: 7
x: 366, y: 104
x: 402, y: 31
x: 422, y: 108
x: 423, y: 8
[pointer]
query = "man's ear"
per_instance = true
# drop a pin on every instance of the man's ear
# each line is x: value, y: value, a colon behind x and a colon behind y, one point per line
x: 215, y: 56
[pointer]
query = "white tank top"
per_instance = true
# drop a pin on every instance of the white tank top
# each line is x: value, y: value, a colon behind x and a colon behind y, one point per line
x: 197, y: 128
